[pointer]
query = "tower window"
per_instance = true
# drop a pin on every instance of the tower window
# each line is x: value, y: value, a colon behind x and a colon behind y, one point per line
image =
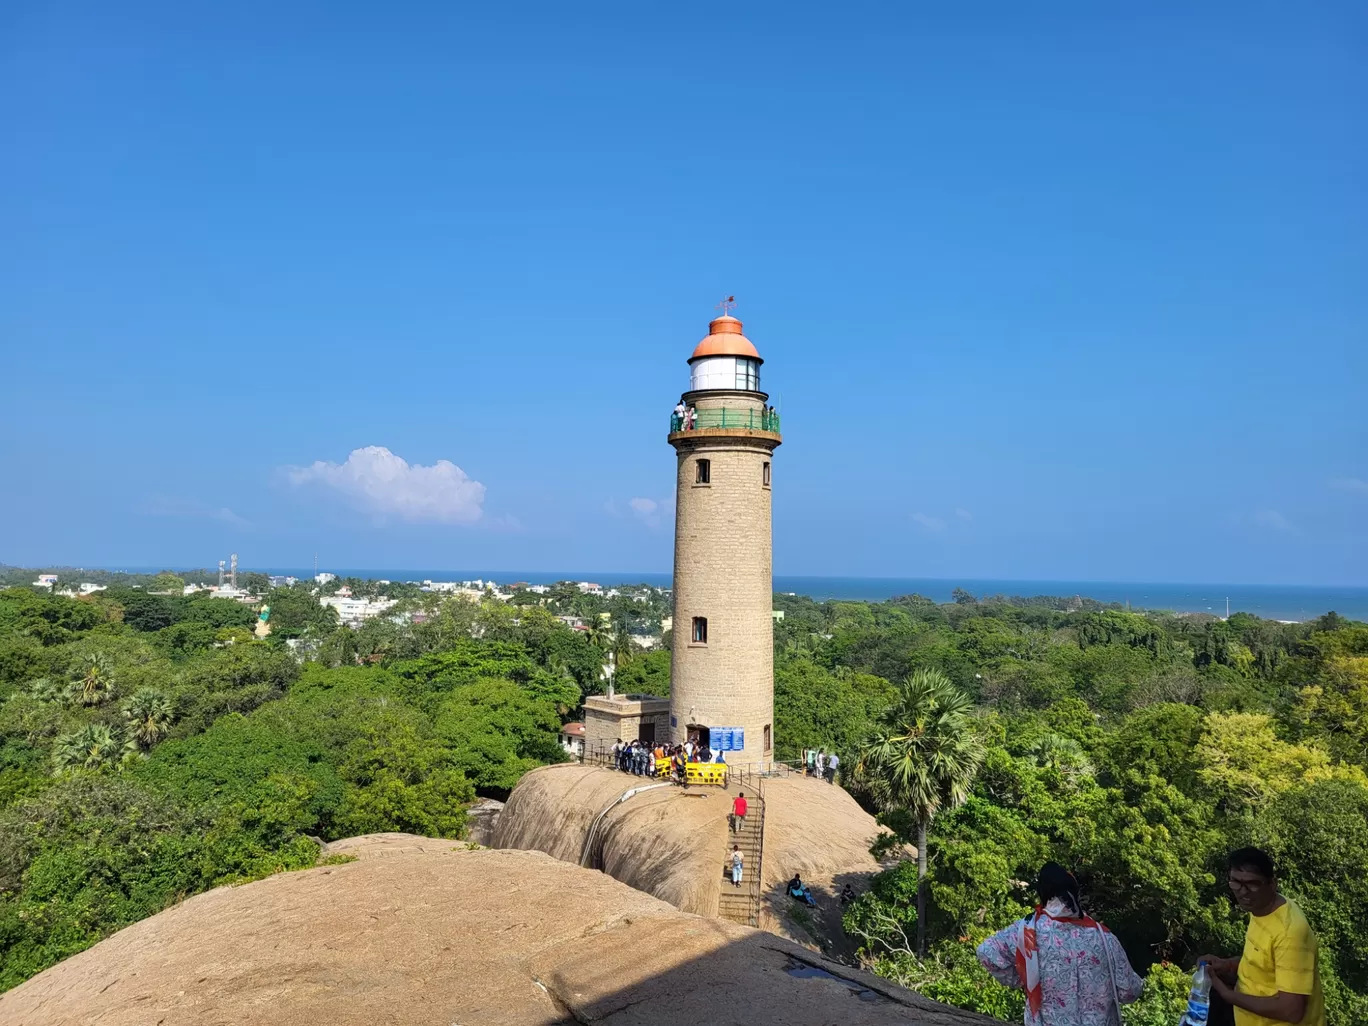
x: 764, y: 475
x: 748, y: 375
x: 769, y: 739
x: 700, y: 630
x: 702, y: 471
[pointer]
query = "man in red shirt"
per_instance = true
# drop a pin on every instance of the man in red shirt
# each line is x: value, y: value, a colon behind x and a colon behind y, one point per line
x: 738, y: 816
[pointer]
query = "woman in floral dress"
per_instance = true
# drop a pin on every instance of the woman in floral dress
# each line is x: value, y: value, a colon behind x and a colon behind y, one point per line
x: 1072, y: 968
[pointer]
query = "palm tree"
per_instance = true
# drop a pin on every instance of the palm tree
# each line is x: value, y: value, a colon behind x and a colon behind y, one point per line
x: 95, y: 683
x: 1062, y: 754
x: 94, y: 746
x: 922, y: 759
x: 623, y: 649
x: 600, y: 634
x: 149, y: 714
x: 47, y: 689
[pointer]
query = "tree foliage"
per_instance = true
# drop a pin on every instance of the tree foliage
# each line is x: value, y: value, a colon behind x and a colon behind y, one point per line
x: 150, y: 747
x: 1136, y: 748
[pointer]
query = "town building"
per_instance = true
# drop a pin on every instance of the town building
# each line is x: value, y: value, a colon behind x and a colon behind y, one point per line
x: 355, y: 611
x: 228, y: 591
x: 572, y: 739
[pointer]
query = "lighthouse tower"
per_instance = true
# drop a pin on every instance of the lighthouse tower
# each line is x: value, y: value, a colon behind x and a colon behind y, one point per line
x: 724, y: 435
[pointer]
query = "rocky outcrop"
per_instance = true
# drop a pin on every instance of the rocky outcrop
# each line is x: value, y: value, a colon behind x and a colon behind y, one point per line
x: 423, y: 931
x: 669, y: 842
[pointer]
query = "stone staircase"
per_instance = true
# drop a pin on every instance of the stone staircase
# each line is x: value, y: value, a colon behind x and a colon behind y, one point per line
x: 742, y: 904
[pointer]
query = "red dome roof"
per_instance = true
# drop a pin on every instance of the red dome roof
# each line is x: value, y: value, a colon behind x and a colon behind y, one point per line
x: 725, y: 339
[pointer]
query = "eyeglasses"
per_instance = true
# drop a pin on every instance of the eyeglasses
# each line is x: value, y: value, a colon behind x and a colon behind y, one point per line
x: 1246, y: 886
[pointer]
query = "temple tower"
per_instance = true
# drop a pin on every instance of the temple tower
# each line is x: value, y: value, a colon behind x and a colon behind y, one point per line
x: 724, y: 435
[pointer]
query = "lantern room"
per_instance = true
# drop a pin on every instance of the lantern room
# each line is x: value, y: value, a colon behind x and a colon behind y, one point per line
x: 725, y: 360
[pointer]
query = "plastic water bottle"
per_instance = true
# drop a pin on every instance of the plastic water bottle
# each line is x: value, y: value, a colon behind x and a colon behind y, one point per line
x: 1199, y: 997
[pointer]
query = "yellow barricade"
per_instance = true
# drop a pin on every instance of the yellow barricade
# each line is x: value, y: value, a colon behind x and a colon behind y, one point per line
x: 707, y: 773
x: 714, y: 773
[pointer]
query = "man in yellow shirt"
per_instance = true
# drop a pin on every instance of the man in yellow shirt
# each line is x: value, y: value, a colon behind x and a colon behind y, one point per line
x: 1278, y: 981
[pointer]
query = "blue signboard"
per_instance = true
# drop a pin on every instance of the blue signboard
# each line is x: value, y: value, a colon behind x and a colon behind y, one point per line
x: 726, y: 739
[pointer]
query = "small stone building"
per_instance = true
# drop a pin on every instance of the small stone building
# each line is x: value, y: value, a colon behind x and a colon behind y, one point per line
x: 626, y: 717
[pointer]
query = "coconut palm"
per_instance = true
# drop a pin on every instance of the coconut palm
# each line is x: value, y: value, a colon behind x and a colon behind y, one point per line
x: 600, y: 634
x: 94, y: 746
x: 149, y: 714
x: 623, y: 648
x: 922, y: 759
x: 95, y: 685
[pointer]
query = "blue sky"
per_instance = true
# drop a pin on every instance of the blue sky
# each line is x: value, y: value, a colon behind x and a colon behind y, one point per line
x: 1068, y: 291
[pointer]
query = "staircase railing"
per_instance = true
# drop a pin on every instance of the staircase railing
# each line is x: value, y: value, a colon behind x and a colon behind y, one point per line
x: 758, y: 889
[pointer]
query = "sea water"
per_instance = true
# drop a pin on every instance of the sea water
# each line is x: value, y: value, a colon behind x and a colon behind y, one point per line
x: 1272, y: 602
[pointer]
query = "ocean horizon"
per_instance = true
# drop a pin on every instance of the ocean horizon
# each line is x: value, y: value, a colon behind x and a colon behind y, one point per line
x: 1273, y: 602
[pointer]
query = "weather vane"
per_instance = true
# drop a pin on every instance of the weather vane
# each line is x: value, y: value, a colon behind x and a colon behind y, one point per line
x: 727, y: 306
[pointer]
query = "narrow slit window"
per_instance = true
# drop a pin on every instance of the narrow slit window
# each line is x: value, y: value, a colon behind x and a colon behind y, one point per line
x: 703, y: 472
x: 769, y: 740
x: 765, y: 475
x: 700, y: 630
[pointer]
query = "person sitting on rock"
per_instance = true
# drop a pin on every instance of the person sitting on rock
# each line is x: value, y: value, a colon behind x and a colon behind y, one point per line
x: 798, y: 891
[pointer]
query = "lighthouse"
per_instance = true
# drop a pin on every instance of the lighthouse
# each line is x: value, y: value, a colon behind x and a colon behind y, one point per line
x: 724, y: 435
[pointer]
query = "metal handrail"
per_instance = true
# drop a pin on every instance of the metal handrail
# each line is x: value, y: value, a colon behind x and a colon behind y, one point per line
x: 757, y: 895
x: 747, y: 418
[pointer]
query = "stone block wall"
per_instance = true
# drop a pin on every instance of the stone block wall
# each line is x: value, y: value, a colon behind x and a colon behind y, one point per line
x: 723, y: 571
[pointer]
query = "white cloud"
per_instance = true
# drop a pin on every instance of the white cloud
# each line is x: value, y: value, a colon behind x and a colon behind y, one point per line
x: 161, y: 506
x: 1350, y: 484
x: 651, y: 512
x: 964, y: 514
x: 1272, y: 520
x: 378, y: 481
x: 930, y: 523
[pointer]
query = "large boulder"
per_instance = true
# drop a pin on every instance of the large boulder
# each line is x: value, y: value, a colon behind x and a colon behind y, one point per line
x: 670, y: 843
x: 423, y: 931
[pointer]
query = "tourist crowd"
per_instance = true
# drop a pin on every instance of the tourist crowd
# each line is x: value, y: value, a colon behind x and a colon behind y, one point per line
x: 644, y: 760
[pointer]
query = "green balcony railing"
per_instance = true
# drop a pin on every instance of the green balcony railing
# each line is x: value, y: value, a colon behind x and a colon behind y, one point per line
x: 754, y: 420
